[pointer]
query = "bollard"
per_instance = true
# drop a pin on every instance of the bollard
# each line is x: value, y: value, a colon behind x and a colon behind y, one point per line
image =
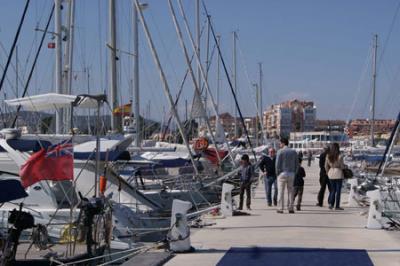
x: 179, y: 234
x: 352, y: 195
x: 375, y: 213
x: 226, y: 200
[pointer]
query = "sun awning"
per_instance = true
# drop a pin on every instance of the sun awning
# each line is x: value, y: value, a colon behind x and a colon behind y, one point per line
x: 52, y: 101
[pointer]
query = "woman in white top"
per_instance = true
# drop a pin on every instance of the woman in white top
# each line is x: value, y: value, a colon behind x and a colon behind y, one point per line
x: 334, y: 168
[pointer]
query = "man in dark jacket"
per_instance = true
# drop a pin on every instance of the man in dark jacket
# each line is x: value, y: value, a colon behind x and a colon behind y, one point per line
x: 323, y: 178
x: 298, y: 186
x: 246, y: 174
x: 267, y: 167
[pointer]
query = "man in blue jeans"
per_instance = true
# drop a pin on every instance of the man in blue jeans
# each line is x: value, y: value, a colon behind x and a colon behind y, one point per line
x: 267, y: 167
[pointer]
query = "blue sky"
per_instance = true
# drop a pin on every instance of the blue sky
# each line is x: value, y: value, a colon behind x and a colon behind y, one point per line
x: 316, y: 50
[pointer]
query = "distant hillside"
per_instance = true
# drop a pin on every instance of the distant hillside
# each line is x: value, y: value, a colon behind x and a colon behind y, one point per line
x: 41, y: 122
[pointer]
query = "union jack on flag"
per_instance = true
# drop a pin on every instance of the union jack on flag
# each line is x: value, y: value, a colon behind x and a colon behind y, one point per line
x: 56, y: 164
x: 64, y: 148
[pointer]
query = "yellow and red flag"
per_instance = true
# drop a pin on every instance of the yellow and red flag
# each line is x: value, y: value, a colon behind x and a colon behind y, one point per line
x: 124, y: 110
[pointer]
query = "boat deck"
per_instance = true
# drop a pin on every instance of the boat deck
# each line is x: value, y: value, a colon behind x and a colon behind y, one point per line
x: 312, y: 227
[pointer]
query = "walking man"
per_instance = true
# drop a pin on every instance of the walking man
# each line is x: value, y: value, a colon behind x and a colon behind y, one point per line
x: 267, y: 167
x: 323, y: 178
x: 309, y: 158
x: 287, y: 164
x: 246, y: 173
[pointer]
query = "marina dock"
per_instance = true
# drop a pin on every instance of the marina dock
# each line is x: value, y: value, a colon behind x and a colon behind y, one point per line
x: 313, y: 229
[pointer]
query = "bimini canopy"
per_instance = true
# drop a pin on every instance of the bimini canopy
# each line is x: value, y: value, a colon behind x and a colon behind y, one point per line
x: 52, y: 101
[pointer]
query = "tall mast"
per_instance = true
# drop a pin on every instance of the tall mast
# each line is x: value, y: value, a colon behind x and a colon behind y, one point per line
x: 16, y: 70
x: 58, y: 37
x: 261, y: 101
x: 136, y: 107
x: 218, y: 86
x: 16, y: 74
x: 197, y: 32
x: 71, y: 15
x: 68, y: 57
x: 257, y: 115
x: 198, y: 40
x: 234, y: 78
x: 88, y: 92
x: 165, y: 85
x: 373, y: 90
x: 202, y: 71
x: 197, y: 89
x: 113, y: 66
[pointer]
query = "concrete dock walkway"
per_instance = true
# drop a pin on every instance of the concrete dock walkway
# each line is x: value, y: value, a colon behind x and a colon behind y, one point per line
x: 312, y: 227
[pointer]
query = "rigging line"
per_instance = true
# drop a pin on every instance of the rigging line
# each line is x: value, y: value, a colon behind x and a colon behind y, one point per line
x: 181, y: 89
x: 363, y: 73
x: 392, y: 85
x: 24, y: 67
x: 254, y: 98
x: 168, y: 58
x: 20, y: 79
x: 8, y: 80
x: 389, y: 34
x: 229, y: 81
x: 100, y: 46
x: 14, y: 43
x: 34, y: 64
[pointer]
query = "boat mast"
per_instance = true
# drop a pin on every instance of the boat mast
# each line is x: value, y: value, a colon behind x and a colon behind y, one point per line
x: 218, y: 87
x: 198, y: 41
x: 136, y: 107
x: 202, y: 71
x: 58, y: 37
x: 16, y: 75
x: 115, y: 125
x: 197, y: 89
x: 165, y: 85
x: 374, y: 90
x: 261, y: 102
x: 68, y: 57
x: 234, y: 79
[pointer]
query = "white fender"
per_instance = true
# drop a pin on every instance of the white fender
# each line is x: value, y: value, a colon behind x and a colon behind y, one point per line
x: 226, y: 200
x: 352, y: 195
x: 179, y: 235
x: 375, y: 212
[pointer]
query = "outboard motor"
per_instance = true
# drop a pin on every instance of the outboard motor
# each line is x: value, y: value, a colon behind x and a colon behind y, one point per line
x: 21, y: 221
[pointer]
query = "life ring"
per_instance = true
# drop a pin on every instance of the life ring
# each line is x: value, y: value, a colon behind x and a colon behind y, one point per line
x: 201, y: 144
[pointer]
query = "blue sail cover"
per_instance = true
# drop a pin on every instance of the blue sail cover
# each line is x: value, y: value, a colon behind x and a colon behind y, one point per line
x: 11, y: 189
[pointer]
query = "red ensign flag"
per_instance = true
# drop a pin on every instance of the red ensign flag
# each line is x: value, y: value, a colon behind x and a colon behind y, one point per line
x: 56, y: 163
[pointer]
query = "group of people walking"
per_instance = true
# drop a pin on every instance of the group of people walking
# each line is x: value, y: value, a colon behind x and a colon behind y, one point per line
x: 283, y: 174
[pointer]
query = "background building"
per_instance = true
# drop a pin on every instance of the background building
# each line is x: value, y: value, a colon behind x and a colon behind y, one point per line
x: 291, y: 116
x: 330, y: 125
x: 362, y: 127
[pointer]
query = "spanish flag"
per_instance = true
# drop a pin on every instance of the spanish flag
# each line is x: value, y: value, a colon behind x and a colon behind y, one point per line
x: 123, y: 110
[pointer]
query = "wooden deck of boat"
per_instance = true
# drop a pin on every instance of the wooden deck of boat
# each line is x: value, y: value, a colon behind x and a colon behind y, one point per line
x: 312, y: 227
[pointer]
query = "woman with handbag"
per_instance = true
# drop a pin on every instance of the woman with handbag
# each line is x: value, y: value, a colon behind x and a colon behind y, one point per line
x: 334, y: 166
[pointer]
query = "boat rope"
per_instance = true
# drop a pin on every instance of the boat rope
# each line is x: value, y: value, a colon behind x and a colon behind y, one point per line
x: 33, y: 65
x: 14, y: 44
x: 164, y: 132
x: 254, y: 98
x: 100, y: 256
x: 229, y: 80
